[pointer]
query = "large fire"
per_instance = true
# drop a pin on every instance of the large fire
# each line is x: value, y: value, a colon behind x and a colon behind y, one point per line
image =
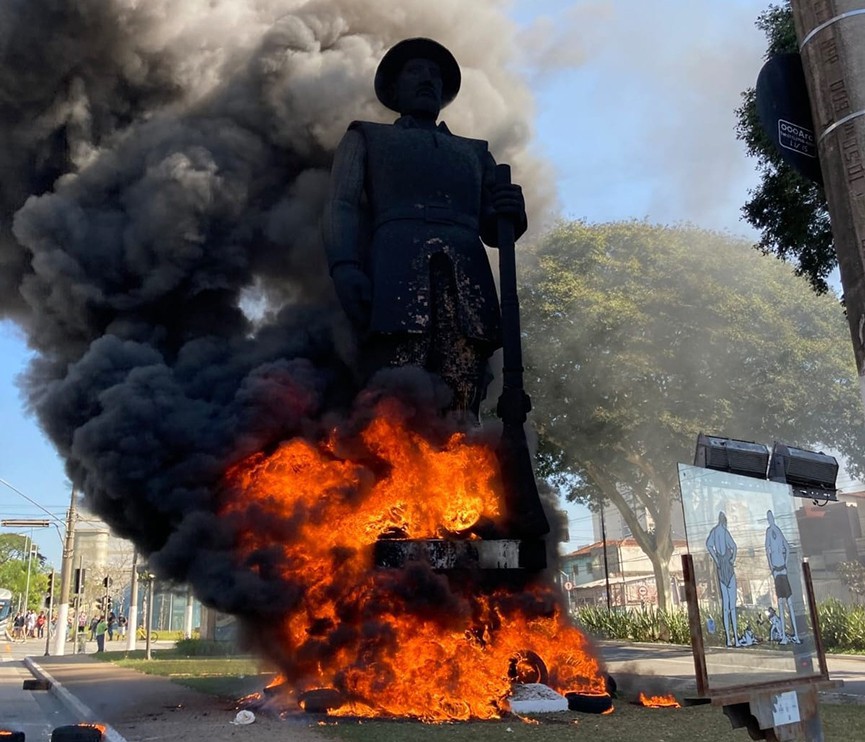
x: 410, y: 642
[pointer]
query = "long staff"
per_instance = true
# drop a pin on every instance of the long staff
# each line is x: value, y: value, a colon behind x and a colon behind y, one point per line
x: 525, y: 516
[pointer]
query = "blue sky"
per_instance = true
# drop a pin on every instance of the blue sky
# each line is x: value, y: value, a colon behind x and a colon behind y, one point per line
x: 634, y: 109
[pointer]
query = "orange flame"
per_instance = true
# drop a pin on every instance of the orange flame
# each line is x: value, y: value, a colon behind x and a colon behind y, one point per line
x: 657, y: 702
x: 277, y: 680
x: 407, y: 642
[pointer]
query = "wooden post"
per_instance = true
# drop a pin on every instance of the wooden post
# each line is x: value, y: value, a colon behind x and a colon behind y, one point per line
x: 695, y: 624
x: 815, y: 620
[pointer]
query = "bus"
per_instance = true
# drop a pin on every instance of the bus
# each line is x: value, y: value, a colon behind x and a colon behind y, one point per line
x: 5, y: 604
x: 5, y: 609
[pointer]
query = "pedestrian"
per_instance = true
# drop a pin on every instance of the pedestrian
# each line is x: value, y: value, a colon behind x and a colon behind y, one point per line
x: 40, y: 625
x: 112, y: 624
x: 30, y: 624
x: 93, y: 623
x: 18, y: 627
x: 82, y: 623
x: 121, y: 626
x: 99, y: 632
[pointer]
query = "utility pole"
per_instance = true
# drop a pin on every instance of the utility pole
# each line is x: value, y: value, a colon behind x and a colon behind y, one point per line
x: 606, y: 563
x: 832, y: 44
x: 65, y: 581
x: 187, y: 616
x: 148, y: 618
x: 132, y: 618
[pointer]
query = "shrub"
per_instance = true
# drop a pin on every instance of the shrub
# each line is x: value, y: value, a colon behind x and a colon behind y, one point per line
x: 205, y: 648
x: 833, y: 623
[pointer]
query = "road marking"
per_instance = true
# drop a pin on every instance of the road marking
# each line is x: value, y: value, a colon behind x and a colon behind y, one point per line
x: 110, y: 734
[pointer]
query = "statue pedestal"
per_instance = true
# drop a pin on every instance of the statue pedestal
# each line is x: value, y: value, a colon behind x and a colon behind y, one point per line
x: 493, y: 554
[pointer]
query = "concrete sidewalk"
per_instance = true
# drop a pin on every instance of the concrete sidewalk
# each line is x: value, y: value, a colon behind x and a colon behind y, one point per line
x: 144, y: 708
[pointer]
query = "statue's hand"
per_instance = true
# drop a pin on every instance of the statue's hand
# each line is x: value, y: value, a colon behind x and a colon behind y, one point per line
x: 507, y: 200
x: 354, y: 290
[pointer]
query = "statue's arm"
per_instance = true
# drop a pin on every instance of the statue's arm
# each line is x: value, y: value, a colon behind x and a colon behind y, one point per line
x: 341, y: 229
x: 341, y: 221
x: 498, y: 201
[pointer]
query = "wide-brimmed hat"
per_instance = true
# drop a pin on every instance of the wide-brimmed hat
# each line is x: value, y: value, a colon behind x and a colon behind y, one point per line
x: 418, y: 48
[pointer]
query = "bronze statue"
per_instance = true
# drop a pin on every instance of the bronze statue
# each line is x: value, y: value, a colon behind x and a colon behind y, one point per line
x: 409, y: 205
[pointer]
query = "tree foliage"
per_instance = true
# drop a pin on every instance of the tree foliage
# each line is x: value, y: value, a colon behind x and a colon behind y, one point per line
x: 852, y: 574
x: 13, y: 547
x: 642, y: 336
x: 14, y: 569
x: 789, y: 211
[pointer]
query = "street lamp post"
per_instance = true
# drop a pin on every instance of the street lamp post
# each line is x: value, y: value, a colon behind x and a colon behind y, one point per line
x: 47, y: 623
x: 148, y: 578
x: 29, y: 569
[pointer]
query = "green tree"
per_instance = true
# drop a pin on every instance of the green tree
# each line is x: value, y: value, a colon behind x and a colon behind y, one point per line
x: 642, y: 336
x: 789, y: 211
x: 852, y: 574
x: 13, y: 547
x: 13, y: 570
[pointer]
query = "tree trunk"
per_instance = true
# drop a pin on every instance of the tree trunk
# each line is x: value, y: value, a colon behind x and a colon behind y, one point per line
x: 661, y: 568
x: 658, y: 546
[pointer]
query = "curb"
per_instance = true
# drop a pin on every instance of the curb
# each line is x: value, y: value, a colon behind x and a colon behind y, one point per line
x: 109, y: 735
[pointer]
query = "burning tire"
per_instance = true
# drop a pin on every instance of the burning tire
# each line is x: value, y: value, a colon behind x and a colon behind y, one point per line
x: 77, y: 733
x: 320, y: 700
x: 528, y: 667
x: 589, y: 703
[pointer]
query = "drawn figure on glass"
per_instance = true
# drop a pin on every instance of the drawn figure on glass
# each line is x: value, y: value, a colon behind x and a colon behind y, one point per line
x: 722, y: 548
x: 777, y: 551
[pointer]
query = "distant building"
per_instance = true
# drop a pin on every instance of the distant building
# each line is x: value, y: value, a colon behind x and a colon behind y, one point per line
x: 832, y: 534
x: 104, y: 556
x: 631, y: 575
x: 616, y: 528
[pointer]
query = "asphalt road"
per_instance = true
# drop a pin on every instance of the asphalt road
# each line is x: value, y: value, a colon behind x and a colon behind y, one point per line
x: 36, y: 713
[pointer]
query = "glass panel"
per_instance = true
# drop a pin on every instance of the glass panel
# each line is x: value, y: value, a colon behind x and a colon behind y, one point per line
x: 744, y: 539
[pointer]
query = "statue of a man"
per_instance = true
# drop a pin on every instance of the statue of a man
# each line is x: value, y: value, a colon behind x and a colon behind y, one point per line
x: 409, y: 205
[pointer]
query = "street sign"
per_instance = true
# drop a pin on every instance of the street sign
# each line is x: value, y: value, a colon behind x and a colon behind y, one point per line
x: 569, y: 585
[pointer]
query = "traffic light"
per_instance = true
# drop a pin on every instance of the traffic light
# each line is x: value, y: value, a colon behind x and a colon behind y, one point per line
x: 79, y: 580
x: 49, y: 595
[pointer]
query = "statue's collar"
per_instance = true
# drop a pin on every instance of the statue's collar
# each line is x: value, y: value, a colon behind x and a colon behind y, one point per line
x: 409, y: 122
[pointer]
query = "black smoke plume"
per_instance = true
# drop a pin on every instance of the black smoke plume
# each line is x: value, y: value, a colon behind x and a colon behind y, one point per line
x: 162, y: 173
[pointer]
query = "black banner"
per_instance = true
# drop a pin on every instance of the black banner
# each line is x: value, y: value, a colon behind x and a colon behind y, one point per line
x: 785, y: 113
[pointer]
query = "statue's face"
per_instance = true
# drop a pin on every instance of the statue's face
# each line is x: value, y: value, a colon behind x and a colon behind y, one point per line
x: 418, y: 89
